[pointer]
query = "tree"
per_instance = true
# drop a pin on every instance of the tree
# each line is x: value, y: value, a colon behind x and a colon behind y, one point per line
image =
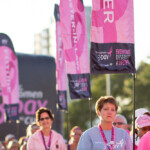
x: 121, y: 88
x: 142, y: 86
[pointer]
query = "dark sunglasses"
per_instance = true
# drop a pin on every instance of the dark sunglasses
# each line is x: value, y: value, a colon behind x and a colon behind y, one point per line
x: 119, y: 123
x: 74, y: 133
x: 46, y: 118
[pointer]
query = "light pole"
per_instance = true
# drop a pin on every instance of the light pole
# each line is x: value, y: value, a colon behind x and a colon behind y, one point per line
x: 108, y: 85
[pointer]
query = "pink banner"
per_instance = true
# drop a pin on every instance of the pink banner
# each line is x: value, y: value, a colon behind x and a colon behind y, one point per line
x: 113, y: 20
x: 9, y: 74
x: 61, y: 76
x: 60, y: 61
x: 112, y: 36
x: 74, y: 36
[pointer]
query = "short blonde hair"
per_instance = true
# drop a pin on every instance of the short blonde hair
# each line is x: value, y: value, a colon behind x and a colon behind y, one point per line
x: 103, y: 100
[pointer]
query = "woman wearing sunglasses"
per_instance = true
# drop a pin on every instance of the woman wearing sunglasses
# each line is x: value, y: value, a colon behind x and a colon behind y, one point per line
x: 45, y: 138
x: 105, y: 136
x: 75, y: 134
x: 121, y: 122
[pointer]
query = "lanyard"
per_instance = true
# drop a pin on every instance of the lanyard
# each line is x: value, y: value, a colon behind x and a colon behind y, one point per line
x: 49, y: 142
x: 105, y: 140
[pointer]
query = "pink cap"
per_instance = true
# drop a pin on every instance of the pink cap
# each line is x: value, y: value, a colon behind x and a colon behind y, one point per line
x: 143, y: 121
x: 140, y: 111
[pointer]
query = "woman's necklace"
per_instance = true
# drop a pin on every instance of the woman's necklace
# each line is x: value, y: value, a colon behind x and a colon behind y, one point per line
x: 49, y: 142
x: 112, y: 142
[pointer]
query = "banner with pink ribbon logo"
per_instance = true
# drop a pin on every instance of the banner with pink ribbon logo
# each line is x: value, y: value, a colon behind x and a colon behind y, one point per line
x: 61, y: 78
x: 9, y: 81
x: 74, y: 36
x: 112, y: 37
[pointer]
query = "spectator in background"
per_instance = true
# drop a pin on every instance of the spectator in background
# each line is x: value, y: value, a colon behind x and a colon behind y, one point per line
x: 121, y: 122
x: 32, y: 128
x: 2, y: 146
x: 22, y: 142
x: 144, y: 143
x: 8, y: 138
x: 45, y: 138
x: 75, y: 135
x: 138, y: 112
x: 143, y: 125
x: 13, y: 145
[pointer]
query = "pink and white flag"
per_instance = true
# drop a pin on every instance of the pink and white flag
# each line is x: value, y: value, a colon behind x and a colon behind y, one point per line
x: 74, y: 36
x: 9, y: 80
x: 112, y: 37
x: 61, y: 76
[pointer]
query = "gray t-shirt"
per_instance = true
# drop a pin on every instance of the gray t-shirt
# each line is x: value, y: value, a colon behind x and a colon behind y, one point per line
x: 91, y: 140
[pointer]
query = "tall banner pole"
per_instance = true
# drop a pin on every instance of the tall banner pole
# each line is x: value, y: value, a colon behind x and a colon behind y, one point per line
x: 90, y: 108
x: 134, y: 76
x: 108, y: 84
x: 67, y: 115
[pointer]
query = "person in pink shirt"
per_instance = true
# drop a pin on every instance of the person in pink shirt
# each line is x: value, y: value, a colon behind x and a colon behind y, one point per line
x: 144, y: 142
x: 143, y: 125
x: 45, y: 138
x: 138, y: 112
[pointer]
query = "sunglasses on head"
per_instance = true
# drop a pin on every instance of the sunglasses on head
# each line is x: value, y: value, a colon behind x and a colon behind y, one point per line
x: 46, y: 118
x: 119, y: 123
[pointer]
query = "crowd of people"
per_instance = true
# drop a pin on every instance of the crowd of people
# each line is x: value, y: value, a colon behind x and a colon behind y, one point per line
x: 112, y: 132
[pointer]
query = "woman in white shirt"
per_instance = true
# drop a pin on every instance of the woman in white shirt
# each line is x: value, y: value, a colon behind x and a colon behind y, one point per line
x: 45, y: 138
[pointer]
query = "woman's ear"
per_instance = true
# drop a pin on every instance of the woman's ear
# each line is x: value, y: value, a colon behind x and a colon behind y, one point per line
x: 98, y: 113
x: 51, y: 120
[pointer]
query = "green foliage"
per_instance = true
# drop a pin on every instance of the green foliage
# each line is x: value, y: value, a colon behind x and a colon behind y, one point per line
x: 117, y: 84
x: 121, y: 88
x: 78, y: 114
x: 98, y: 86
x: 142, y: 86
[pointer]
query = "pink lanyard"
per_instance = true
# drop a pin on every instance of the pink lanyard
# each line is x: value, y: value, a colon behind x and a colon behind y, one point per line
x: 49, y: 142
x: 104, y: 138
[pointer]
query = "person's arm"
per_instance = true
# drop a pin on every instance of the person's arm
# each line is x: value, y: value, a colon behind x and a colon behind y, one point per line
x: 62, y: 144
x: 85, y: 142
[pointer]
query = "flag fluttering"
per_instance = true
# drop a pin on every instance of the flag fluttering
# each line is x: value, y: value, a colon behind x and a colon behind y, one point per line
x: 74, y: 36
x: 9, y: 80
x: 61, y: 78
x: 112, y: 37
